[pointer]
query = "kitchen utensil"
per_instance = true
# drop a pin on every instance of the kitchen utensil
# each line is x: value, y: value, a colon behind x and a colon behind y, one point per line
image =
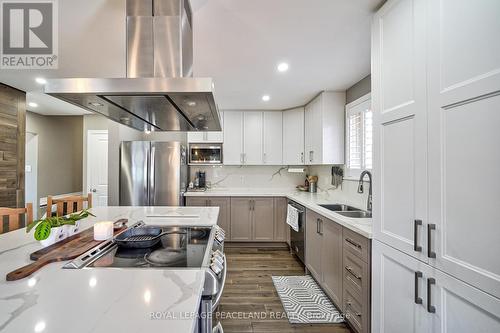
x: 68, y: 249
x: 141, y: 237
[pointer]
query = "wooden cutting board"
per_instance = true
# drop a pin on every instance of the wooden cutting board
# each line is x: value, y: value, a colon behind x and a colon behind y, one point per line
x: 66, y: 249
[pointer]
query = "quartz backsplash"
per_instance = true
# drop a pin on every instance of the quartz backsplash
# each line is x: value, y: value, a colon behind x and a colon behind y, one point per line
x: 255, y: 177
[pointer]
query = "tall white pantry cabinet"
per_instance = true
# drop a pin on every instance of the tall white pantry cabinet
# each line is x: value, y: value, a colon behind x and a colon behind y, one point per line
x: 436, y: 103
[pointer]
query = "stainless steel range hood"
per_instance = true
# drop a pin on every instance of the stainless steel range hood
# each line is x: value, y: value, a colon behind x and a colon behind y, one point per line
x: 159, y: 93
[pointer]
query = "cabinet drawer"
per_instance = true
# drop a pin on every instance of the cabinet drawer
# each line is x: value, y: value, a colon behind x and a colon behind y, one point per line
x: 357, y: 244
x: 356, y: 274
x: 354, y: 311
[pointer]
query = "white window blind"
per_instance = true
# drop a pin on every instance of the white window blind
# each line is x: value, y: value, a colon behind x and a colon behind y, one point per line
x: 359, y: 137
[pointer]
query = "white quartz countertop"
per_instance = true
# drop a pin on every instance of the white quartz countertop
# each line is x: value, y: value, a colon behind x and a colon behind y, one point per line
x: 102, y: 299
x: 362, y: 226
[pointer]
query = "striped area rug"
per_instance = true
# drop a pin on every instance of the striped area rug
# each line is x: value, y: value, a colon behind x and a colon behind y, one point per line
x: 304, y: 301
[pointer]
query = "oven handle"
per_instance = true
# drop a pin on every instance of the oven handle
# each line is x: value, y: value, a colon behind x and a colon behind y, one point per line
x: 221, y: 289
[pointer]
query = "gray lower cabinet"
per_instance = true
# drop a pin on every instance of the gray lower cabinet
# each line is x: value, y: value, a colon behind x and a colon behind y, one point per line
x: 357, y: 280
x: 313, y: 245
x: 331, y: 260
x: 257, y: 219
x: 263, y: 219
x: 224, y: 204
x: 281, y: 228
x: 339, y: 260
x: 324, y: 254
x: 241, y: 219
x: 252, y: 219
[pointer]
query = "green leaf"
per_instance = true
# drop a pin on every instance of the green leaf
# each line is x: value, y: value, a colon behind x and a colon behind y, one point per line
x: 33, y: 224
x: 42, y: 231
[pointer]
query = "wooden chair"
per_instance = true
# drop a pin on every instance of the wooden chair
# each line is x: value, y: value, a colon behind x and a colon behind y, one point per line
x: 15, y: 216
x: 68, y: 205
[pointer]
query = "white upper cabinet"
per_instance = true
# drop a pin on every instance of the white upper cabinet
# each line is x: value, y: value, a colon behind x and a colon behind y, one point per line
x: 293, y: 137
x: 464, y: 137
x: 400, y: 137
x: 272, y: 138
x: 197, y: 137
x: 233, y: 138
x: 252, y: 137
x: 324, y: 129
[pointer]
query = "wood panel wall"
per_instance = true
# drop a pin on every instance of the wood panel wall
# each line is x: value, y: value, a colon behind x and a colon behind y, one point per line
x: 12, y: 146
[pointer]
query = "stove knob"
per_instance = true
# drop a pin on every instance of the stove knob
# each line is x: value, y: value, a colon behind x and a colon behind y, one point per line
x: 217, y: 259
x: 219, y: 237
x: 216, y: 268
x: 221, y: 231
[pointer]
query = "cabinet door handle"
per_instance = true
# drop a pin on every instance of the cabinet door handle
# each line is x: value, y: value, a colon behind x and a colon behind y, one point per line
x: 430, y: 253
x: 418, y: 299
x: 320, y: 226
x: 302, y: 157
x: 416, y: 224
x: 350, y: 270
x: 241, y: 158
x: 264, y: 157
x: 310, y: 155
x: 430, y: 308
x: 317, y: 226
x: 353, y: 243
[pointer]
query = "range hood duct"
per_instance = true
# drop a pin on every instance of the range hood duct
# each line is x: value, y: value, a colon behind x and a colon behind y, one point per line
x: 159, y: 93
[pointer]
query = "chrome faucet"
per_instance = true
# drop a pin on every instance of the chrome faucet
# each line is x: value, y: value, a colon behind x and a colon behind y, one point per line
x: 361, y: 190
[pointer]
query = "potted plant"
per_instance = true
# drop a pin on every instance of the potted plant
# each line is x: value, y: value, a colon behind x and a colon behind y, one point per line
x: 54, y: 229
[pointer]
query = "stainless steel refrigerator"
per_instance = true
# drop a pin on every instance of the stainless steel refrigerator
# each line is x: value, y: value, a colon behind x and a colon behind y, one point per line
x: 152, y: 173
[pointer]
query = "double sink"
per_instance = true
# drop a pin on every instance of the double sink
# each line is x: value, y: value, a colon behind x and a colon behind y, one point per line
x: 347, y: 211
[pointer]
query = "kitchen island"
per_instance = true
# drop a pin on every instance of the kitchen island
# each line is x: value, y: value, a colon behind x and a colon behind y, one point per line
x: 102, y: 299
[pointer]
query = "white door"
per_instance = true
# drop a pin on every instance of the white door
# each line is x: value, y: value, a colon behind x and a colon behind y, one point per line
x: 460, y: 308
x: 97, y: 166
x: 293, y: 137
x: 398, y: 292
x: 273, y: 138
x: 31, y: 172
x: 233, y: 138
x: 400, y: 126
x: 252, y: 137
x: 464, y: 152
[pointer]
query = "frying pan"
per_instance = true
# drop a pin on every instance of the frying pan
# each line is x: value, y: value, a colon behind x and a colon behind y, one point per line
x: 141, y: 237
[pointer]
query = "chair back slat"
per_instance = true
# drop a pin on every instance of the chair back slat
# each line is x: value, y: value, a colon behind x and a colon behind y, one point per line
x: 68, y: 205
x: 15, y: 216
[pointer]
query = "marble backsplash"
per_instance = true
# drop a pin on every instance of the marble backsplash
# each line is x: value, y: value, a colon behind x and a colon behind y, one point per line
x: 248, y: 176
x: 278, y: 177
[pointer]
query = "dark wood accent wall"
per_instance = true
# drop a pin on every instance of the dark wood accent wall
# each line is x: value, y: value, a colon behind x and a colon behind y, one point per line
x: 12, y: 146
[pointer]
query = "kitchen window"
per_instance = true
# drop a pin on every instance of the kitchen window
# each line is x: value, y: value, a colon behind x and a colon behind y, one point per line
x: 359, y: 136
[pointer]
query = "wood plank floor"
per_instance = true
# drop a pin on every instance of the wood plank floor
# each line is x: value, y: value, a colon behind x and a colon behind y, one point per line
x: 249, y: 293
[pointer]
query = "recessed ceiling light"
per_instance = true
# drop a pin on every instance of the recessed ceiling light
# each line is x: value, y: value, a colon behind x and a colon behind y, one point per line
x: 40, y: 80
x: 266, y: 98
x: 191, y: 103
x: 33, y: 104
x: 283, y: 67
x: 96, y: 104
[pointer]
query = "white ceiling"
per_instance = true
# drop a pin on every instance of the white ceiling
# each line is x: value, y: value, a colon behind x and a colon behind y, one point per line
x: 237, y: 42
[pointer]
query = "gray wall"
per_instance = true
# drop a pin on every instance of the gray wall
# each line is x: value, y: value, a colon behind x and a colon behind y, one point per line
x: 359, y: 89
x: 59, y: 152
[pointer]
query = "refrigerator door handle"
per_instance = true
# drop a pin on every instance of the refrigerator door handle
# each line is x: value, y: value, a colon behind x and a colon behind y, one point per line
x: 152, y: 176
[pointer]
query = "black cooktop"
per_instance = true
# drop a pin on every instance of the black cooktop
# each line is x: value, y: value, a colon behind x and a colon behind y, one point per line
x: 181, y: 247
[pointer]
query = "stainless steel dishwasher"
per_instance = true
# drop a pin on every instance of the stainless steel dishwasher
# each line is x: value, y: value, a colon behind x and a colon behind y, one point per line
x: 298, y: 238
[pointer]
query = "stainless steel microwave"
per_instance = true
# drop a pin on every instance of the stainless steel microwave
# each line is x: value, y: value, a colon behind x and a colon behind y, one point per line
x: 205, y: 153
